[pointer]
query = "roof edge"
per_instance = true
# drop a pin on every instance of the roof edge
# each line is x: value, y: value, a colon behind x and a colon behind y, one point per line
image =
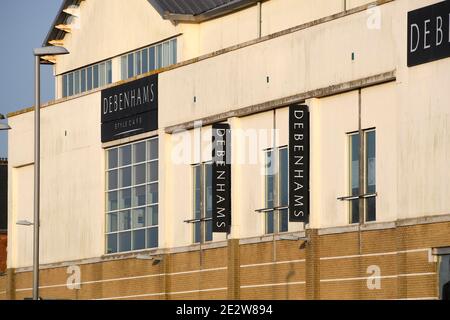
x: 64, y: 4
x: 208, y: 15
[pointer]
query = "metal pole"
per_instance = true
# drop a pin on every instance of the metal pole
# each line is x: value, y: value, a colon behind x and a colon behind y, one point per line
x: 37, y: 135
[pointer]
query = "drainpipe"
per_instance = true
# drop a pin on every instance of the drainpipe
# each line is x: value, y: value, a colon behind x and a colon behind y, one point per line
x: 361, y: 170
x: 259, y: 18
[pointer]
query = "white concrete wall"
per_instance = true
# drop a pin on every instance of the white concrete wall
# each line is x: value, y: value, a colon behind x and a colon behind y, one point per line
x: 313, y: 58
x: 72, y: 183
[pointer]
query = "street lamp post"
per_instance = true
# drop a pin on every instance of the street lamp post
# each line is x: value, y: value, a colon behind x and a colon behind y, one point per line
x: 38, y: 53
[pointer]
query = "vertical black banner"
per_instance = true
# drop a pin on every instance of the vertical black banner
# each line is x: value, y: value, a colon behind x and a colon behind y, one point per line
x: 221, y: 177
x: 299, y: 163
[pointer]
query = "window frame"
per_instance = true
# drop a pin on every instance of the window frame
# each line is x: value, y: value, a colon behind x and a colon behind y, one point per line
x: 204, y: 220
x: 367, y: 196
x: 280, y: 210
x: 148, y: 207
x: 157, y: 56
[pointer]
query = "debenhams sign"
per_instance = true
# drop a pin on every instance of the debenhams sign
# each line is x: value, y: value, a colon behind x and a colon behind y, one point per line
x: 429, y: 34
x: 130, y: 109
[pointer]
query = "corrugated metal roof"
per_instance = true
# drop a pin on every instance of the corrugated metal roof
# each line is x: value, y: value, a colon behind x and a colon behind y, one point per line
x: 191, y: 7
x: 198, y: 10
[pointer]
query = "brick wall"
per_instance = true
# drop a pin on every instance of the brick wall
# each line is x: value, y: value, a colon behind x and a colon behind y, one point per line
x: 379, y: 264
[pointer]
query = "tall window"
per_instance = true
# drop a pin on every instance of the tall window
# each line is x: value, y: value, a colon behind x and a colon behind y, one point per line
x: 86, y: 79
x: 369, y: 177
x: 202, y: 180
x: 148, y: 59
x: 276, y: 188
x: 132, y: 197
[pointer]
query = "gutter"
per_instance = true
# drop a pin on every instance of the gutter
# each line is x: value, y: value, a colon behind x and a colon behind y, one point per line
x: 208, y: 15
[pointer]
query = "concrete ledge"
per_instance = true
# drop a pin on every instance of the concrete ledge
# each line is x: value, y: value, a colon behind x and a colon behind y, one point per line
x: 283, y: 102
x: 386, y: 225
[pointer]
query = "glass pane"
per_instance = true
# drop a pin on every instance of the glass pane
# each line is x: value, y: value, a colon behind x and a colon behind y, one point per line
x: 152, y: 238
x: 153, y: 149
x: 139, y: 196
x: 166, y: 53
x: 138, y: 239
x: 112, y: 222
x: 112, y: 201
x: 124, y: 220
x: 77, y: 82
x: 139, y: 174
x: 124, y: 198
x: 269, y: 185
x: 370, y: 175
x: 89, y: 78
x: 109, y: 72
x: 284, y: 219
x: 284, y: 180
x: 159, y: 56
x: 371, y: 209
x: 145, y: 60
x: 130, y: 65
x: 354, y: 177
x: 123, y: 65
x: 269, y: 222
x: 70, y: 76
x: 83, y: 80
x: 354, y: 209
x: 102, y: 71
x: 137, y: 58
x: 111, y: 243
x: 197, y: 227
x: 64, y: 86
x: 125, y: 177
x: 152, y: 216
x: 370, y: 162
x: 151, y: 57
x: 174, y: 51
x: 125, y: 241
x: 125, y: 156
x: 95, y: 71
x: 152, y: 193
x: 139, y: 152
x: 153, y: 171
x: 208, y: 232
x: 112, y: 179
x: 138, y: 218
x: 112, y: 159
x: 208, y: 190
x: 197, y: 191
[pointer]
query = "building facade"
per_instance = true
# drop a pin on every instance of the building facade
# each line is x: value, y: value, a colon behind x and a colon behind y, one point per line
x: 332, y: 115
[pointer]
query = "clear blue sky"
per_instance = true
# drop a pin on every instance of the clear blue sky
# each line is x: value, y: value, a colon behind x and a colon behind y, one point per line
x: 23, y: 27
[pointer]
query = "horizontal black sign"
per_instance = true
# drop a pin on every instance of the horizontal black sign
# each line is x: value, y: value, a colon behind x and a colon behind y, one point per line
x: 299, y: 163
x: 221, y: 177
x: 130, y: 109
x: 130, y: 126
x: 429, y: 34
